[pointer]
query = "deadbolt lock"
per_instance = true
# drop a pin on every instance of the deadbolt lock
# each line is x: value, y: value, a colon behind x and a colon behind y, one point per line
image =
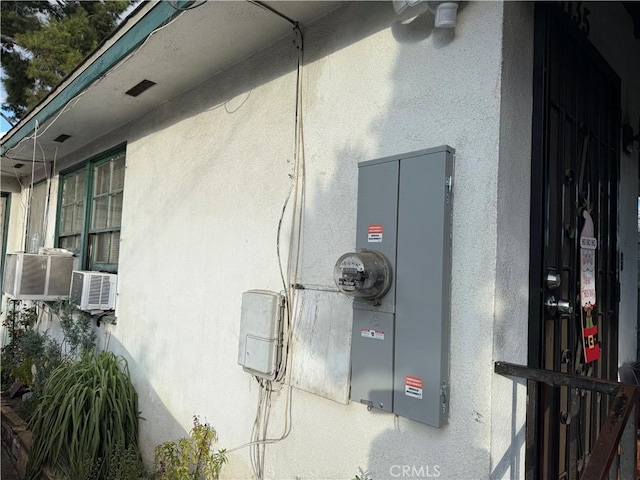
x: 553, y: 280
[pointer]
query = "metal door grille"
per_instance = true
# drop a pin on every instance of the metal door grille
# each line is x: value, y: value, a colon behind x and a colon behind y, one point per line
x: 576, y: 106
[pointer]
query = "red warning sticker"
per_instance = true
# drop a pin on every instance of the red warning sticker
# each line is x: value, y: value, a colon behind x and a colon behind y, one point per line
x: 369, y: 333
x: 413, y: 386
x: 375, y: 233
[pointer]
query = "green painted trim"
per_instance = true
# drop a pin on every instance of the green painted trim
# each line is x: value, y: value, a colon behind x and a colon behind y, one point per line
x: 88, y: 166
x: 5, y: 233
x: 137, y: 34
x: 98, y: 158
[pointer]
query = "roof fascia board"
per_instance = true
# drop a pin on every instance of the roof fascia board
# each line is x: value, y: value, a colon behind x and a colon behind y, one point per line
x: 160, y: 14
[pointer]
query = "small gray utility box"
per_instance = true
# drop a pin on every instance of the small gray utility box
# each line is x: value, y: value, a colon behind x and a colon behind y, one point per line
x: 400, y: 340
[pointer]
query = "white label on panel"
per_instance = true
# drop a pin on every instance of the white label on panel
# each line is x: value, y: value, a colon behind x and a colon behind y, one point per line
x: 369, y: 333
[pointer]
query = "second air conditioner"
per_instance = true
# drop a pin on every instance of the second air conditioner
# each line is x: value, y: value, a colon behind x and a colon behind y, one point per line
x: 93, y: 290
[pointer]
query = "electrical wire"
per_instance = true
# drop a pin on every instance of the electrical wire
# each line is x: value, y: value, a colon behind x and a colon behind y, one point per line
x: 297, y: 210
x: 30, y: 195
x: 273, y: 11
x: 174, y: 5
x: 45, y: 224
x: 259, y: 439
x: 67, y: 107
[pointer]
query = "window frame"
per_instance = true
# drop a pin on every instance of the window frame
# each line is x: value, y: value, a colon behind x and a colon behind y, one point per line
x: 83, y: 168
x: 88, y: 167
x: 5, y: 234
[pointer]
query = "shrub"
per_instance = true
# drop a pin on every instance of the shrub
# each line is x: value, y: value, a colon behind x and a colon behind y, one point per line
x: 190, y: 458
x: 88, y: 408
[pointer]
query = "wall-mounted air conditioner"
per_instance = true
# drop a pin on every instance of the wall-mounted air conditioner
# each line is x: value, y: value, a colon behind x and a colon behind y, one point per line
x: 94, y: 290
x: 37, y: 277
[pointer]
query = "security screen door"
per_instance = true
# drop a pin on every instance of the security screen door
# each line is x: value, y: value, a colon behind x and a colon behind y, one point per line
x: 575, y: 169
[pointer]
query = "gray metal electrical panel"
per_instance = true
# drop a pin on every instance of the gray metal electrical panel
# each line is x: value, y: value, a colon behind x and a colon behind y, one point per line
x: 400, y: 342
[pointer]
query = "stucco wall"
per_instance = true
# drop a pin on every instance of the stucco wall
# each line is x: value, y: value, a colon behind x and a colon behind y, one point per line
x: 206, y: 177
x: 510, y: 343
x: 15, y: 236
x: 208, y: 172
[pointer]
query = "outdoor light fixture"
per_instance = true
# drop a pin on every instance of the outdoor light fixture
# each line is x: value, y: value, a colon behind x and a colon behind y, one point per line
x: 401, y: 5
x: 446, y: 13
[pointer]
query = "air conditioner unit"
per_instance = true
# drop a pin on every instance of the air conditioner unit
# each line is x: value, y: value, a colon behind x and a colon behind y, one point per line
x: 30, y: 276
x: 94, y: 290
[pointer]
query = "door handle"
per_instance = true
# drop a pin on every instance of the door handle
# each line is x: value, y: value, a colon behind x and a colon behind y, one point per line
x: 563, y: 306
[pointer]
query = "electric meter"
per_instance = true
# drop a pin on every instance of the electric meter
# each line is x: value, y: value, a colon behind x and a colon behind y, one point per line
x: 365, y: 274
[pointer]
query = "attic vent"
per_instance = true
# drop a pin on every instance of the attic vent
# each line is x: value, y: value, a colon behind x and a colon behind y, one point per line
x: 139, y: 88
x: 61, y: 138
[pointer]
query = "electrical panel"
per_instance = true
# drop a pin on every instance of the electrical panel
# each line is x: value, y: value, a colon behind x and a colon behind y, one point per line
x: 30, y: 276
x: 93, y: 290
x: 400, y: 341
x: 260, y: 339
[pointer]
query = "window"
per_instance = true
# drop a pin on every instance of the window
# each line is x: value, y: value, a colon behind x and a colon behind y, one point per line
x: 36, y: 222
x: 71, y: 220
x: 91, y: 211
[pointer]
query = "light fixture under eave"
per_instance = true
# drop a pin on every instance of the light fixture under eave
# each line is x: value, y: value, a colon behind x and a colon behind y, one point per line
x: 143, y: 86
x: 62, y: 138
x: 446, y: 13
x: 401, y: 5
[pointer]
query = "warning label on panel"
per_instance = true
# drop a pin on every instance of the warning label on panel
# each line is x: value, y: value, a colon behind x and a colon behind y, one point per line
x: 375, y: 233
x: 377, y: 334
x: 413, y: 386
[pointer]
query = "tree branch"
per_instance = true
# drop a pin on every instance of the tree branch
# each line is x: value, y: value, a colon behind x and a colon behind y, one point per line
x: 9, y: 121
x: 8, y: 39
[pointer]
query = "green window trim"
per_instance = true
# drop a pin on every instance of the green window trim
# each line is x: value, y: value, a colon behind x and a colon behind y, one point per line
x: 90, y: 210
x: 6, y: 211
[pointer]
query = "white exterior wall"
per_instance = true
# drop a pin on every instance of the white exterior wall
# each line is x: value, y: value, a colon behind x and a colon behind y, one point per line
x: 16, y: 225
x: 15, y: 243
x: 208, y: 172
x: 206, y: 177
x: 510, y: 334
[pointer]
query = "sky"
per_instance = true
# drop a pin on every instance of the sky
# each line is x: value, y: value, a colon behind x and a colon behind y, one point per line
x: 4, y: 125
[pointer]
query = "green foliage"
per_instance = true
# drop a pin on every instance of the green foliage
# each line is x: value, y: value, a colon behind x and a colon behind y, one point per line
x: 42, y: 42
x: 362, y: 475
x: 79, y: 336
x: 126, y: 464
x: 19, y: 320
x: 17, y: 17
x: 39, y: 355
x: 30, y: 356
x: 190, y: 458
x: 87, y: 409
